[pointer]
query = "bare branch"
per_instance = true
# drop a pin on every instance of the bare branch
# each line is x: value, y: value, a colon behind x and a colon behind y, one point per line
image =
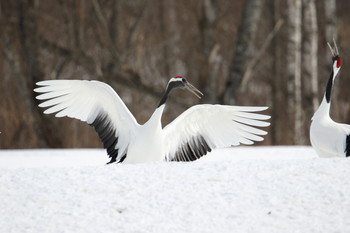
x: 104, y: 24
x: 252, y: 64
x: 121, y: 76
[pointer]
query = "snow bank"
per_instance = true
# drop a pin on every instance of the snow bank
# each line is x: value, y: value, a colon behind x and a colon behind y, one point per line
x: 247, y: 189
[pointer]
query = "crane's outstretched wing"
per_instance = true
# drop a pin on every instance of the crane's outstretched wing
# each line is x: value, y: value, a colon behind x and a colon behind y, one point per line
x: 95, y: 103
x: 204, y: 127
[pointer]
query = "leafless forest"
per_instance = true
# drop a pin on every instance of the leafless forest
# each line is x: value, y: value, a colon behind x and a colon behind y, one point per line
x: 253, y: 52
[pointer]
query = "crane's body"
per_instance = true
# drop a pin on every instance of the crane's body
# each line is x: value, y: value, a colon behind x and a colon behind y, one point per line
x: 148, y: 141
x: 329, y: 138
x: 190, y: 136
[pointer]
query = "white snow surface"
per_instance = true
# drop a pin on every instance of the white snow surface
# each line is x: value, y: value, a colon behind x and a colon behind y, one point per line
x: 244, y: 189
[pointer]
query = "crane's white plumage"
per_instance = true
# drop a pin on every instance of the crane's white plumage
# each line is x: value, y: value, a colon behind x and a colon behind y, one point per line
x: 212, y: 126
x: 95, y: 103
x: 190, y: 136
x: 329, y: 138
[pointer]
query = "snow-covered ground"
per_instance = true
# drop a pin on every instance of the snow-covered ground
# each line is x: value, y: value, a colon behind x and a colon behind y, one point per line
x: 244, y: 189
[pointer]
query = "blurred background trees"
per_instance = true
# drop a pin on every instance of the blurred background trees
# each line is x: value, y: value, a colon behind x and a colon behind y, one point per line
x: 244, y: 52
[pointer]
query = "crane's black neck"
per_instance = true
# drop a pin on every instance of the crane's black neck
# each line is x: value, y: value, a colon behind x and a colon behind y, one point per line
x: 329, y: 87
x: 165, y: 97
x: 170, y: 87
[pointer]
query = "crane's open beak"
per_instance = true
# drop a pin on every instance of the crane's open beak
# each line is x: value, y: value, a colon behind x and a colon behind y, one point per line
x: 193, y: 90
x: 334, y: 51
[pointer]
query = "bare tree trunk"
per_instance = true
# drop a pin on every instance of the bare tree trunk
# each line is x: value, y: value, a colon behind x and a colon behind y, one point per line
x: 278, y: 135
x: 81, y: 11
x: 294, y: 67
x: 114, y: 25
x: 31, y: 72
x: 331, y: 19
x: 310, y: 53
x: 244, y: 48
x: 211, y: 58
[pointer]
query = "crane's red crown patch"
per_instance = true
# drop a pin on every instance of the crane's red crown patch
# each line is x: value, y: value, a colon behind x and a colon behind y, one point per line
x: 339, y: 62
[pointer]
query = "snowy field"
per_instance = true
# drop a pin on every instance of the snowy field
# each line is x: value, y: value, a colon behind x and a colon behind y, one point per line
x: 245, y: 189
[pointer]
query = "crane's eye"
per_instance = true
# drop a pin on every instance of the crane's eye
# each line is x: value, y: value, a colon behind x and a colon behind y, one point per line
x: 339, y: 62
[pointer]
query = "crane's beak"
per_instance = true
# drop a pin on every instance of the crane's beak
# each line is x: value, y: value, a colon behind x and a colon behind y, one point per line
x: 334, y: 51
x: 193, y: 90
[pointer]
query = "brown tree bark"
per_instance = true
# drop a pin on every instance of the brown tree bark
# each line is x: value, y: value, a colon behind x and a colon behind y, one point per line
x: 294, y: 68
x: 310, y: 56
x: 278, y: 129
x: 331, y: 19
x: 210, y: 51
x: 244, y: 48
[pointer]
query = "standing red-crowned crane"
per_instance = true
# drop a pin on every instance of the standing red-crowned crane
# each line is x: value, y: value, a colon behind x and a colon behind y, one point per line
x: 329, y: 138
x: 193, y: 134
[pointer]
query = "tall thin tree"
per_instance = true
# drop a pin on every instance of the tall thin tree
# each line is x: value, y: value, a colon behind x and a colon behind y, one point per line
x: 244, y: 48
x: 294, y: 67
x: 310, y: 51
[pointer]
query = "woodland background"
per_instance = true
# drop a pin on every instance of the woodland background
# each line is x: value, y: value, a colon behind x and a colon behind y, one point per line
x: 244, y: 52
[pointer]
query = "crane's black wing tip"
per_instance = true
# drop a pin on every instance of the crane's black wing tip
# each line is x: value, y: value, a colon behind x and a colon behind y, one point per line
x: 192, y: 150
x: 107, y: 133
